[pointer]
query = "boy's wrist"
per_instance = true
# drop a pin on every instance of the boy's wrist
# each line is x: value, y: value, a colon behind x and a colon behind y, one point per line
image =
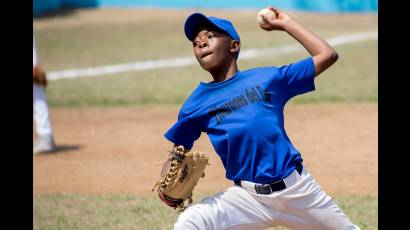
x: 289, y: 24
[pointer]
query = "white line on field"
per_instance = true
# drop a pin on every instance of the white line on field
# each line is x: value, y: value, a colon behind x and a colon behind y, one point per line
x: 185, y: 61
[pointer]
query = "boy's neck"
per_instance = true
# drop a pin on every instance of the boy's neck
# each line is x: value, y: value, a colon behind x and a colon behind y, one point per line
x: 224, y: 73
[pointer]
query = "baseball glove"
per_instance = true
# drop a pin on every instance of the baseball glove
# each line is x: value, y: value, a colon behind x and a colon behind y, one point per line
x: 39, y: 76
x: 179, y: 176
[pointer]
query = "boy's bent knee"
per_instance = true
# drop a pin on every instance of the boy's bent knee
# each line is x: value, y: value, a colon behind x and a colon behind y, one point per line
x: 191, y: 218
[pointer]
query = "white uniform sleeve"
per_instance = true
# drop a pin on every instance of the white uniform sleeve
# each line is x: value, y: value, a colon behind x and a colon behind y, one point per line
x: 34, y: 54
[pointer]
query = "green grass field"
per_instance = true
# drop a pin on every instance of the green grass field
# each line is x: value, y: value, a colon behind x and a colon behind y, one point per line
x: 80, y: 212
x: 79, y: 40
x: 352, y: 79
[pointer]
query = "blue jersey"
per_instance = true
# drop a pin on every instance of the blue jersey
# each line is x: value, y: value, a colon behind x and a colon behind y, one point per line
x: 243, y: 117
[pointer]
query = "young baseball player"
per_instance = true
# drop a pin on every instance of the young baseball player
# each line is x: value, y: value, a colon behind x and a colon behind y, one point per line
x: 242, y: 113
x: 45, y: 137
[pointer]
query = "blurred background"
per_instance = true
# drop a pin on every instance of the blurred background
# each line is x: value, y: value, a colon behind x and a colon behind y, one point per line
x: 119, y: 71
x: 44, y: 6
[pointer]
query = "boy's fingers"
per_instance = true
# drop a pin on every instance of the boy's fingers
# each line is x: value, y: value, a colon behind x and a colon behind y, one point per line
x: 273, y: 9
x: 266, y: 18
x: 277, y: 11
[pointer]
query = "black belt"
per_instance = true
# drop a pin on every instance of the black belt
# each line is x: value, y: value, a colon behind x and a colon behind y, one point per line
x: 275, y: 186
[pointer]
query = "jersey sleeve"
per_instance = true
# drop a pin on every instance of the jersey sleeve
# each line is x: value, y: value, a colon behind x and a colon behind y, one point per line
x: 298, y: 77
x: 34, y: 53
x: 184, y: 132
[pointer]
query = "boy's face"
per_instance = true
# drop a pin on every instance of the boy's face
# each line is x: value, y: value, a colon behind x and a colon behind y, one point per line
x: 212, y: 48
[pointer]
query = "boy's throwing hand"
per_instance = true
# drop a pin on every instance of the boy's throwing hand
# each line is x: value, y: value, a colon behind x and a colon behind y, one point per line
x: 274, y: 23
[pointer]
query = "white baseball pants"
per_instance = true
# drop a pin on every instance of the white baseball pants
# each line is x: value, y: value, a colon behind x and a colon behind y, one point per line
x: 302, y: 205
x: 40, y: 112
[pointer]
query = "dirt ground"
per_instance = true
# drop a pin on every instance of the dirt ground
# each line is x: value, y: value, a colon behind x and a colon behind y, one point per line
x: 117, y: 150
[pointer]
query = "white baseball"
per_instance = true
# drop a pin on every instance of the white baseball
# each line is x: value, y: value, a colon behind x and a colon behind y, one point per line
x: 265, y: 11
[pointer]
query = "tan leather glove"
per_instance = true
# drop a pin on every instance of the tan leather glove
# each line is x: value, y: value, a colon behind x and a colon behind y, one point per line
x: 179, y: 176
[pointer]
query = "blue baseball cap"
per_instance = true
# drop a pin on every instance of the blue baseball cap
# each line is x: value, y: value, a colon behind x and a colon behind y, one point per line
x: 195, y: 20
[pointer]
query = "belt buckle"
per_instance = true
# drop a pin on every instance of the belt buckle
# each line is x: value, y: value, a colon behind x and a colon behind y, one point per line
x: 261, y: 189
x: 270, y: 189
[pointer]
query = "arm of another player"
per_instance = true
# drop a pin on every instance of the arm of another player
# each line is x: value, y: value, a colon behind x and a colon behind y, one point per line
x: 322, y: 53
x: 39, y: 75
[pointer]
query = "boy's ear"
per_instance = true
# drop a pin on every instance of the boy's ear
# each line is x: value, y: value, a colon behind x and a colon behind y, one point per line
x: 235, y: 46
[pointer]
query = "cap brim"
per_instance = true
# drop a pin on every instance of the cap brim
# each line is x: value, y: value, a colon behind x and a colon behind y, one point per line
x: 193, y: 22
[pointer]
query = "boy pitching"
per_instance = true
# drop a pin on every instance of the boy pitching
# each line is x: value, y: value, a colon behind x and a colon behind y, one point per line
x: 242, y: 113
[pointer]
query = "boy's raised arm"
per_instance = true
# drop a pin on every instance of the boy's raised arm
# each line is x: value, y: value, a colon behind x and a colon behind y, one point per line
x: 322, y: 53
